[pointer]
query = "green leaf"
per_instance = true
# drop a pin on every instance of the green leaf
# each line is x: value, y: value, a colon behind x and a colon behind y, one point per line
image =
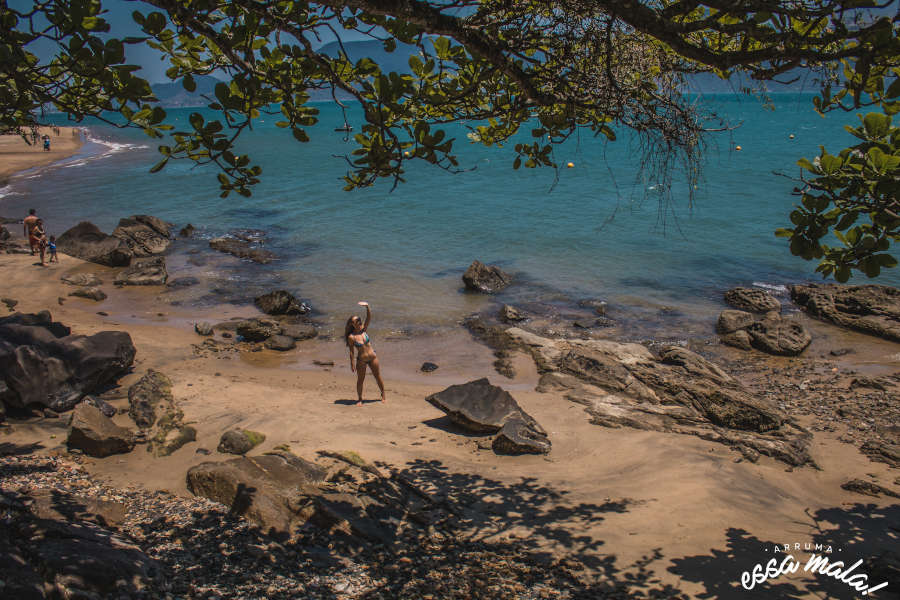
x: 300, y: 135
x: 189, y: 83
x: 877, y: 125
x: 158, y: 166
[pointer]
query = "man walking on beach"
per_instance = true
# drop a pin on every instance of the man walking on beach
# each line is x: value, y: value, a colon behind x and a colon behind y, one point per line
x: 29, y: 224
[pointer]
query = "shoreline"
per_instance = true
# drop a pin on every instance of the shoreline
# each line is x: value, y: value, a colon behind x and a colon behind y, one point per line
x: 17, y: 156
x: 679, y: 495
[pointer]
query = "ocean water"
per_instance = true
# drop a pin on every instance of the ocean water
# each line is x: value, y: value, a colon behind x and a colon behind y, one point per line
x: 598, y: 231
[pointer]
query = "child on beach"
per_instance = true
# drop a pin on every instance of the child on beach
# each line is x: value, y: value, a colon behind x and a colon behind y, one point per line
x: 51, y: 245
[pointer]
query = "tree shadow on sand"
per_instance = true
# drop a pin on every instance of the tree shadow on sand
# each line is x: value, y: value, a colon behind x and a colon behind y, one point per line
x: 862, y: 531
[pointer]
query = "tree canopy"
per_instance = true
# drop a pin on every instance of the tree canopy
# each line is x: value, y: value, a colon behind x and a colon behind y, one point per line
x: 551, y: 68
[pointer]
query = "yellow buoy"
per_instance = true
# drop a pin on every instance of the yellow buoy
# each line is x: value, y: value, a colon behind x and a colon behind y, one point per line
x: 570, y: 165
x: 406, y: 153
x: 738, y: 148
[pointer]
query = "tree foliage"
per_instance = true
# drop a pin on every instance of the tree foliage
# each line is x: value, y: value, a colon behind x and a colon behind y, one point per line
x: 553, y: 68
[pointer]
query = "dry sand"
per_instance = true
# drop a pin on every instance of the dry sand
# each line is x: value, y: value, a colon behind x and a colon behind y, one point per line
x: 18, y: 155
x: 676, y: 509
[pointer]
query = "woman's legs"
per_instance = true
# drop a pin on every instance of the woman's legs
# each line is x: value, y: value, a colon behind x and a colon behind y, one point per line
x: 376, y: 371
x: 360, y: 378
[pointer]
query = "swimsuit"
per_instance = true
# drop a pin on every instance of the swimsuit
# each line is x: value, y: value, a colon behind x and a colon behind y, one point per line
x: 360, y: 345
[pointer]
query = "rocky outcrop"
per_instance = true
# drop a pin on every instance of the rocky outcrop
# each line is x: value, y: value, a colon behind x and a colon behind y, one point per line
x: 42, y: 364
x: 241, y: 249
x: 240, y: 442
x: 150, y: 391
x: 480, y: 407
x: 510, y: 314
x: 340, y: 494
x: 487, y: 279
x: 871, y: 309
x: 91, y: 293
x: 773, y: 334
x: 96, y: 435
x: 144, y: 271
x: 257, y: 330
x: 82, y: 279
x: 145, y: 235
x: 678, y: 391
x: 280, y: 302
x: 87, y: 242
x: 187, y: 231
x: 752, y: 299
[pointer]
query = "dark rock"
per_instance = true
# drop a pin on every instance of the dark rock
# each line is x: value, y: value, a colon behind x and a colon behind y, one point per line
x: 91, y: 293
x: 96, y: 435
x: 241, y: 249
x: 752, y: 299
x: 240, y: 442
x: 868, y: 488
x: 87, y: 242
x: 281, y: 343
x: 144, y: 234
x: 868, y: 382
x: 481, y: 407
x: 776, y: 335
x: 733, y: 320
x: 203, y: 328
x: 144, y: 271
x: 182, y: 282
x: 146, y: 395
x: 871, y: 309
x: 9, y: 302
x: 280, y: 302
x: 841, y: 351
x: 257, y: 330
x: 4, y: 234
x: 486, y: 279
x: 82, y: 279
x: 428, y: 367
x: 43, y: 365
x: 509, y: 314
x: 187, y: 231
x: 299, y: 331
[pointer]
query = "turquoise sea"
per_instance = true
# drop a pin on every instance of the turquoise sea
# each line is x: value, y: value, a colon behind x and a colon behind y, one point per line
x: 598, y: 232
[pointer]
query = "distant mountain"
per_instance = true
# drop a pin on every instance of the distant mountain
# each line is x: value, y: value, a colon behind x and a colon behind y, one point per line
x: 173, y: 95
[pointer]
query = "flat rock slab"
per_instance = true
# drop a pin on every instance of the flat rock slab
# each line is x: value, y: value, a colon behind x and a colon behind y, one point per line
x: 144, y: 271
x: 242, y: 249
x: 91, y: 293
x: 871, y: 309
x: 145, y: 235
x: 480, y: 407
x: 82, y: 279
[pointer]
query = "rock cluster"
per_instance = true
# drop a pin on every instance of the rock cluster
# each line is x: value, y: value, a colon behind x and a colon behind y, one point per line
x: 42, y: 364
x: 480, y: 407
x: 677, y: 391
x: 773, y: 334
x: 241, y: 249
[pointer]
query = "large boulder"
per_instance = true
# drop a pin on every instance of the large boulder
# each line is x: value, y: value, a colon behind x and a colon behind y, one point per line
x: 776, y: 335
x: 43, y: 365
x: 96, y: 435
x: 144, y: 271
x: 144, y: 234
x: 257, y: 330
x: 280, y: 302
x: 240, y: 442
x: 87, y: 242
x: 150, y: 391
x: 871, y: 309
x: 752, y: 299
x: 483, y: 408
x: 486, y: 279
x: 677, y: 391
x: 241, y: 249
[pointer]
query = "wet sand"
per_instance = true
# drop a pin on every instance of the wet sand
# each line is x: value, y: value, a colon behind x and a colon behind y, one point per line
x: 676, y: 509
x: 18, y: 155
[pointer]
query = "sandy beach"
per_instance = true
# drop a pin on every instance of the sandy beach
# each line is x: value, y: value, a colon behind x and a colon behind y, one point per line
x: 17, y: 155
x: 675, y: 511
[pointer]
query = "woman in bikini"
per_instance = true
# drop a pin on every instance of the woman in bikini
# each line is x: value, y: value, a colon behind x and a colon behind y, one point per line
x: 357, y: 338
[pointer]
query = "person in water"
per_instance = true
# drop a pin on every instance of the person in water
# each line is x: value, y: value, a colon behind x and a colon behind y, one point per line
x: 357, y: 338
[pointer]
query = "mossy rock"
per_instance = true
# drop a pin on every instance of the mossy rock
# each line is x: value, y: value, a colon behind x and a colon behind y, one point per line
x: 240, y: 442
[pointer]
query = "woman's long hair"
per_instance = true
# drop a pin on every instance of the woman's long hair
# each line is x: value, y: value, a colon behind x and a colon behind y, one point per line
x: 348, y: 329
